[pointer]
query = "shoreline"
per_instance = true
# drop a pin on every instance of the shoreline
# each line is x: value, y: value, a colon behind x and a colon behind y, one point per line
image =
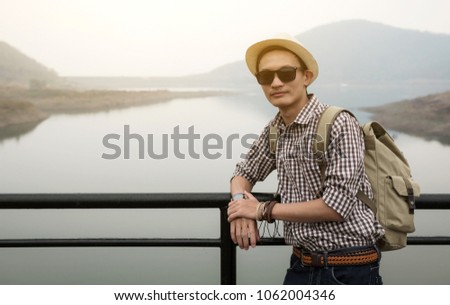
x: 22, y: 109
x: 14, y: 113
x: 427, y: 117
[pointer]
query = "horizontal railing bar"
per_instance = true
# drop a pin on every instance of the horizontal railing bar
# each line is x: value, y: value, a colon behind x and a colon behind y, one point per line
x: 119, y: 201
x: 158, y: 201
x: 170, y: 242
x: 428, y: 240
x: 433, y: 202
x: 109, y: 242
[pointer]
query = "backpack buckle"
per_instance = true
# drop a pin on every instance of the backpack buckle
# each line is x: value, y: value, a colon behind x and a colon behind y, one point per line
x: 411, y: 200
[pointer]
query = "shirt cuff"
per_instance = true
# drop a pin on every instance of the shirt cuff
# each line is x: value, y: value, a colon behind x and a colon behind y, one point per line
x: 339, y: 202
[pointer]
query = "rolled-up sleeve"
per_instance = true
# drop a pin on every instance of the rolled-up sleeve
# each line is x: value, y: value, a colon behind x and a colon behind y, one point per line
x: 345, y: 165
x: 258, y: 162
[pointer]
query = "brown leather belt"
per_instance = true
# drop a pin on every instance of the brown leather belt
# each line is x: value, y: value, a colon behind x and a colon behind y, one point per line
x: 357, y: 257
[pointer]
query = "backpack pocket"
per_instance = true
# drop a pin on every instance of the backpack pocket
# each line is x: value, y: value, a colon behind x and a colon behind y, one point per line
x: 397, y: 214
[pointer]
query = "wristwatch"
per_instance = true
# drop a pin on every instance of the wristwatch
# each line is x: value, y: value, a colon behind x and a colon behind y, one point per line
x: 237, y: 196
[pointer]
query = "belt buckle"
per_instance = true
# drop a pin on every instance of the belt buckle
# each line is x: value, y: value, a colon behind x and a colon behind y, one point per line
x: 316, y: 259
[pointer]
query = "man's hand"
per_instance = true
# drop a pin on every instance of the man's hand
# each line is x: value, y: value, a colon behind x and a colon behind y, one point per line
x: 244, y: 232
x: 243, y: 208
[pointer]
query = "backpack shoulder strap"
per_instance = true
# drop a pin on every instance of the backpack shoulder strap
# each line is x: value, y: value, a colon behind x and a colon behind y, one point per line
x: 367, y: 201
x: 322, y: 139
x: 320, y: 146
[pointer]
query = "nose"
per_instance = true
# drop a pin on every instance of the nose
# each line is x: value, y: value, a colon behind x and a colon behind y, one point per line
x: 276, y: 82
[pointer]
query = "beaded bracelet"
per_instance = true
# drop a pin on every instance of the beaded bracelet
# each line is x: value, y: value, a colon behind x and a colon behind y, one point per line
x: 264, y: 211
x: 271, y: 204
x: 267, y: 211
x: 257, y: 211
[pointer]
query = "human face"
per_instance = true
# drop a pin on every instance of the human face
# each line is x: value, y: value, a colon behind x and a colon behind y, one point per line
x: 290, y: 96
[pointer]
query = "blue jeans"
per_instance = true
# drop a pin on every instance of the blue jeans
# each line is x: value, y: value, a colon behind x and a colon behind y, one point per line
x: 298, y: 274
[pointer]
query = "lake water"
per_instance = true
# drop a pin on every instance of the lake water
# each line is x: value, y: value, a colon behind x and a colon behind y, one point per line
x: 67, y: 154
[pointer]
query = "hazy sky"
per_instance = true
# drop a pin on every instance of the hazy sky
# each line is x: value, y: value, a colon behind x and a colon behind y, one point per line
x: 179, y: 37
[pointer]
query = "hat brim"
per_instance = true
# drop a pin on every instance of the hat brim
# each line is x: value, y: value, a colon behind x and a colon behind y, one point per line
x: 254, y: 50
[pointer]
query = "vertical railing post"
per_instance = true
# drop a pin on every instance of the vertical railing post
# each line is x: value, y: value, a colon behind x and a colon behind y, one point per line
x: 227, y: 251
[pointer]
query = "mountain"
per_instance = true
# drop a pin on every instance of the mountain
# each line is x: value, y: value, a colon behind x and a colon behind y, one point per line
x: 357, y: 50
x: 362, y: 51
x: 347, y: 52
x: 427, y: 116
x: 233, y: 75
x: 17, y: 68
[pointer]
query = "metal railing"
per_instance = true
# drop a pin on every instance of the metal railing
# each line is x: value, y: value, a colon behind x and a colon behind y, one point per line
x: 170, y: 201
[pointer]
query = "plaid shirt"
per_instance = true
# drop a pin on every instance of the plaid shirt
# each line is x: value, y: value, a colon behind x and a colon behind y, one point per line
x: 299, y: 178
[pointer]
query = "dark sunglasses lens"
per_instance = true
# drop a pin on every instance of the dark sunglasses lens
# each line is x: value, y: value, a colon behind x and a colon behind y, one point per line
x: 265, y: 77
x: 287, y: 74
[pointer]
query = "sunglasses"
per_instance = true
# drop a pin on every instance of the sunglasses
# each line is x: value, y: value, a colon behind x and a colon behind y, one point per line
x: 285, y: 74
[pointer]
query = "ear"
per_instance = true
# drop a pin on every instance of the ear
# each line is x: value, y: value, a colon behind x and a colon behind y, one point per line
x: 308, y: 77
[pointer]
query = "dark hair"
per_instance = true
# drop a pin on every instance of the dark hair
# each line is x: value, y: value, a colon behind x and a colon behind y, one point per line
x: 302, y: 67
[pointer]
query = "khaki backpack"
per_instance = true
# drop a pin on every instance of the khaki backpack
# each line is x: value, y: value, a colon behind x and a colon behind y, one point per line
x: 393, y: 188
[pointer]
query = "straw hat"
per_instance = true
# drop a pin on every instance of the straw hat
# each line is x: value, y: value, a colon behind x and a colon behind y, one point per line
x: 286, y: 41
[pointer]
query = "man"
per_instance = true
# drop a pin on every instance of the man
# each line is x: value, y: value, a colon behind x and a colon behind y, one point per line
x: 332, y: 232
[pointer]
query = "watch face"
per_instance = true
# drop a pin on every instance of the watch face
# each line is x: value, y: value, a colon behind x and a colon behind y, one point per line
x: 238, y: 196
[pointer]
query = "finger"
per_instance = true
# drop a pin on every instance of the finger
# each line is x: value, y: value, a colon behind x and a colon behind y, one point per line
x: 232, y: 207
x: 236, y: 232
x: 234, y: 201
x: 229, y: 211
x: 233, y: 231
x: 239, y: 237
x: 253, y: 235
x: 243, y: 236
x: 246, y: 240
x: 232, y: 214
x: 246, y: 234
x: 249, y: 195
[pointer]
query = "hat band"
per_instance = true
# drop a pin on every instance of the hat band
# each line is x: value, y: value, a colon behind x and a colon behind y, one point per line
x: 303, y: 66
